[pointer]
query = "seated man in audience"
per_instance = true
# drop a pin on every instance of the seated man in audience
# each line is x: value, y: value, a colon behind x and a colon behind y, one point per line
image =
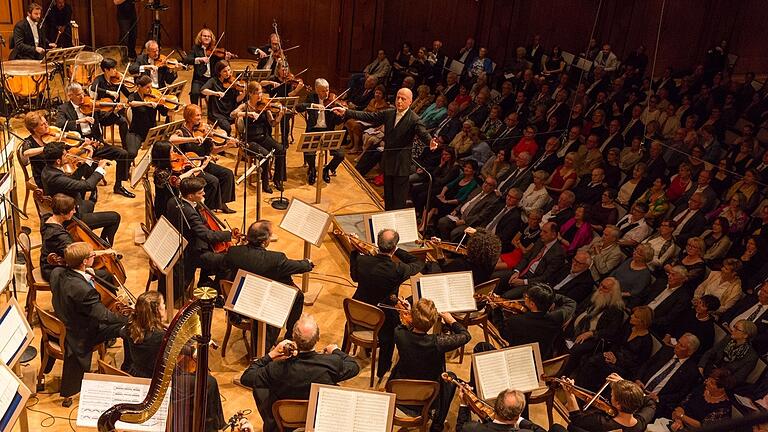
x: 668, y: 299
x: 507, y: 223
x: 520, y: 175
x: 753, y: 308
x: 359, y: 99
x: 508, y: 408
x: 290, y: 368
x: 562, y: 211
x: 703, y: 187
x: 633, y: 228
x: 450, y: 126
x: 590, y: 188
x: 577, y: 283
x: 588, y: 156
x: 690, y: 219
x: 699, y: 320
x: 605, y: 252
x: 479, y: 209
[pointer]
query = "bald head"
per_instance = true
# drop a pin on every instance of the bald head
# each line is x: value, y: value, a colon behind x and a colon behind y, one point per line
x: 404, y: 99
x: 306, y: 333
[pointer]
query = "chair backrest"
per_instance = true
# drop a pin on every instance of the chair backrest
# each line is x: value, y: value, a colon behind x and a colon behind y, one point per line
x: 418, y: 393
x: 149, y: 204
x: 554, y: 367
x: 107, y: 369
x: 118, y: 53
x: 290, y: 413
x: 50, y: 326
x: 25, y: 243
x: 486, y: 288
x: 363, y: 315
x: 24, y: 162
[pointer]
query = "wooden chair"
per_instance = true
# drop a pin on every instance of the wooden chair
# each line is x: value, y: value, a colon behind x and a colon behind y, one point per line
x: 363, y: 324
x: 107, y: 369
x: 290, y: 414
x: 245, y: 325
x: 417, y: 393
x: 53, y: 333
x: 35, y: 281
x: 552, y: 367
x: 477, y: 318
x: 29, y: 182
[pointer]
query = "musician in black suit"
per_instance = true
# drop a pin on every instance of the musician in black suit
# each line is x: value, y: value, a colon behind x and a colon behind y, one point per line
x: 401, y: 126
x: 185, y: 215
x: 104, y: 88
x: 29, y: 41
x: 287, y: 372
x: 144, y: 64
x: 78, y: 305
x: 76, y: 185
x: 670, y: 374
x: 71, y: 117
x: 508, y: 407
x: 378, y: 279
x: 577, y: 283
x: 255, y: 258
x: 668, y: 298
x: 753, y: 308
x: 203, y: 63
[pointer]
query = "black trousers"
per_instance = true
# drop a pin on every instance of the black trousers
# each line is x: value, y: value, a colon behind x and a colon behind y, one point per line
x: 128, y: 34
x: 212, y: 190
x: 337, y: 158
x: 395, y: 192
x: 109, y: 221
x: 194, y: 92
x: 269, y: 144
x: 226, y: 179
x: 120, y: 156
x: 116, y: 118
x: 77, y: 360
x: 132, y: 144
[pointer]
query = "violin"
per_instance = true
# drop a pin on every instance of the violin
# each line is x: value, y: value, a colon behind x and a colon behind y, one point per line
x: 401, y: 307
x: 127, y: 82
x: 357, y: 243
x: 215, y: 224
x: 584, y: 395
x: 266, y: 104
x: 104, y: 105
x: 56, y: 134
x: 183, y: 162
x: 218, y: 52
x: 171, y: 63
x: 231, y: 81
x: 512, y: 306
x: 170, y: 102
x: 481, y: 408
x: 217, y: 135
x: 440, y: 247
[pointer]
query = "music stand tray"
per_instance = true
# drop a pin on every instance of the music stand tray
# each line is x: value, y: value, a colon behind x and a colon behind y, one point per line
x: 257, y: 75
x: 161, y: 132
x: 61, y: 55
x: 311, y: 142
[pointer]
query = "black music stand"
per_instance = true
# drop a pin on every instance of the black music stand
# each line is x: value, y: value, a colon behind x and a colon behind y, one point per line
x: 311, y: 142
x: 159, y: 133
x: 175, y: 89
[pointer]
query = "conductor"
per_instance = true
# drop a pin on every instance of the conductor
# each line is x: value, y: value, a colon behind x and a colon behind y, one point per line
x: 401, y: 125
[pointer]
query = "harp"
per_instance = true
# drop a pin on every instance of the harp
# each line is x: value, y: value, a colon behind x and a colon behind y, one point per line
x: 193, y: 321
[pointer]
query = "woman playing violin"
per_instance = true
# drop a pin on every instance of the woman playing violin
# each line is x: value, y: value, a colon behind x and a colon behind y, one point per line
x: 33, y: 145
x: 144, y: 109
x: 283, y: 84
x: 634, y: 410
x: 223, y: 96
x: 257, y: 126
x: 223, y: 180
x: 204, y: 61
x: 165, y: 188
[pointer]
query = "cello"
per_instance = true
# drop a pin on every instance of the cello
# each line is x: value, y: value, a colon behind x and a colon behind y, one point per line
x: 215, y: 224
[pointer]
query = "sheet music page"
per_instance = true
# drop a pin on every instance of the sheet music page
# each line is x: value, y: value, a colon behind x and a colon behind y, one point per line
x: 371, y: 412
x: 13, y: 330
x: 461, y: 292
x: 402, y: 221
x: 305, y: 221
x: 341, y: 410
x: 277, y: 305
x: 162, y: 244
x: 5, y: 189
x: 6, y: 268
x: 435, y: 288
x: 97, y: 396
x: 9, y: 386
x: 251, y: 296
x: 521, y: 368
x: 492, y: 374
x: 747, y: 402
x: 141, y: 167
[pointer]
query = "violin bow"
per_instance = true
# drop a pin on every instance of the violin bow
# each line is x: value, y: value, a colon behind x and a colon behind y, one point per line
x: 233, y: 83
x: 337, y: 98
x: 597, y: 395
x: 216, y: 45
x: 119, y: 87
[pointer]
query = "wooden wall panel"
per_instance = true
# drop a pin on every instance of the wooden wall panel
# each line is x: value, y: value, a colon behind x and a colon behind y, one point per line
x: 11, y: 11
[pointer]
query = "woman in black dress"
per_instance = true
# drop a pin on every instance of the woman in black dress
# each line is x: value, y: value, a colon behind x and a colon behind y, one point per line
x: 143, y: 336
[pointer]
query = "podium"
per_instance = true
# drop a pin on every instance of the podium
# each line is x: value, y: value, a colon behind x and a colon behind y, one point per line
x: 311, y: 142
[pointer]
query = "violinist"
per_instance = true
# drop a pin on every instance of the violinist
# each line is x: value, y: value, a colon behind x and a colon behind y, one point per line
x: 144, y: 110
x: 319, y: 118
x: 269, y: 54
x: 204, y: 60
x: 220, y: 179
x: 223, y: 96
x: 257, y: 126
x: 70, y: 116
x: 146, y: 64
x: 482, y: 253
x: 634, y: 410
x: 56, y: 181
x: 165, y: 189
x: 78, y: 305
x: 283, y: 84
x: 106, y: 86
x: 378, y: 280
x: 507, y: 409
x: 33, y: 145
x: 199, y: 252
x: 254, y: 257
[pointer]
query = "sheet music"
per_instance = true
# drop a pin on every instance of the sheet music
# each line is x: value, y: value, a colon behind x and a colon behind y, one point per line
x: 13, y: 327
x: 6, y: 269
x: 451, y: 292
x: 7, y: 152
x: 9, y: 386
x: 509, y: 368
x: 305, y: 221
x: 141, y: 167
x: 341, y: 410
x: 402, y: 221
x: 162, y: 244
x: 5, y: 189
x: 98, y: 396
x: 747, y: 402
x: 264, y: 300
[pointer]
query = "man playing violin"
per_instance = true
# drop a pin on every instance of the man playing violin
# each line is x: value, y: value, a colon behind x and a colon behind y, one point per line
x: 223, y: 96
x: 507, y: 409
x: 319, y: 118
x: 55, y: 180
x: 144, y: 109
x: 78, y: 305
x: 269, y: 54
x: 147, y: 64
x: 71, y: 117
x: 204, y: 60
x: 106, y: 86
x: 257, y: 130
x: 190, y: 138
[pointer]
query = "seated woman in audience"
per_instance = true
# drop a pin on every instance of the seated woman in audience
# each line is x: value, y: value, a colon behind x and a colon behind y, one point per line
x: 497, y: 166
x: 462, y: 142
x: 721, y: 177
x: 613, y: 174
x: 739, y: 156
x: 606, y: 212
x: 708, y: 403
x: 463, y: 98
x: 656, y: 199
x: 680, y: 182
x: 734, y: 211
x: 634, y: 275
x: 446, y: 171
x: 751, y: 261
x: 734, y: 353
x: 403, y: 59
x: 535, y: 196
x: 623, y: 357
x: 634, y: 187
x: 454, y: 193
x: 595, y: 125
x: 480, y: 151
x: 554, y: 64
x: 748, y: 188
x: 724, y: 284
x: 564, y: 177
x: 631, y: 155
x: 419, y: 67
x: 692, y: 258
x: 576, y: 231
x: 717, y: 242
x: 521, y: 243
x: 144, y: 334
x: 663, y: 244
x: 422, y: 100
x: 493, y: 124
x: 435, y: 113
x: 698, y: 320
x: 355, y: 128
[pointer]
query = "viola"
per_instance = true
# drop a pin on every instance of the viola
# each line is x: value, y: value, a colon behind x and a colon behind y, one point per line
x: 171, y: 63
x: 104, y: 105
x: 183, y: 162
x: 513, y: 306
x: 127, y: 82
x: 478, y: 406
x: 584, y: 395
x: 170, y: 102
x: 219, y: 53
x: 357, y: 243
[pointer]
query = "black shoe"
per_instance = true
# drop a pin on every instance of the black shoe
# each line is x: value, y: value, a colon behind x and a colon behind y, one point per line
x: 67, y: 402
x: 218, y: 301
x: 311, y: 176
x: 265, y: 188
x: 326, y: 175
x: 40, y: 386
x: 120, y: 190
x: 279, y: 186
x: 227, y: 210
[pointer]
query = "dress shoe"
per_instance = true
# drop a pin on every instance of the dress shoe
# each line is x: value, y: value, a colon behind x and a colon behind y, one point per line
x: 279, y: 186
x: 311, y: 176
x: 326, y: 175
x: 265, y: 188
x: 67, y: 402
x: 120, y: 190
x: 227, y: 210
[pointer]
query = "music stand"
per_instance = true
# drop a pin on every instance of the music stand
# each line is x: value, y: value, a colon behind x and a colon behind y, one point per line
x: 165, y: 246
x: 311, y: 142
x: 257, y: 75
x: 60, y: 55
x: 159, y: 133
x: 175, y: 89
x: 290, y: 104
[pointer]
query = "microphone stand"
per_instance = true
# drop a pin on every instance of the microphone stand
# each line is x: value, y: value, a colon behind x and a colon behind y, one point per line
x: 429, y: 189
x: 247, y: 158
x: 180, y: 206
x: 5, y: 108
x: 49, y: 105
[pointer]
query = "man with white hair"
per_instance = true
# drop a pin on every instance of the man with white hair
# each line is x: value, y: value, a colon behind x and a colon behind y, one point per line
x: 161, y: 76
x: 401, y: 126
x: 320, y: 119
x: 275, y: 377
x: 577, y: 283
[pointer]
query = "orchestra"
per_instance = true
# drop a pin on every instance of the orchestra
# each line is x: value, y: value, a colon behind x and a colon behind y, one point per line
x: 579, y: 289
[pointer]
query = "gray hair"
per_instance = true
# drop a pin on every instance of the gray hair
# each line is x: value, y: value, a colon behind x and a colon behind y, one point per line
x: 306, y: 333
x: 322, y: 82
x: 646, y: 252
x: 680, y: 271
x: 509, y: 404
x: 150, y: 43
x: 694, y: 340
x: 73, y: 87
x: 387, y: 244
